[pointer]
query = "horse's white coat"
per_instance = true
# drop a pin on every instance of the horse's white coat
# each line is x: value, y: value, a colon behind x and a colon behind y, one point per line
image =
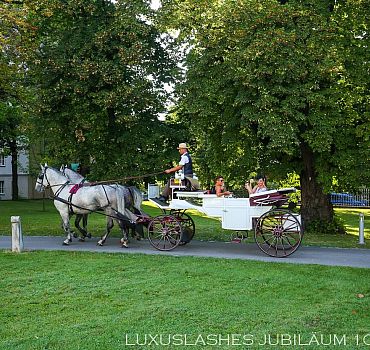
x: 84, y: 201
x: 124, y: 195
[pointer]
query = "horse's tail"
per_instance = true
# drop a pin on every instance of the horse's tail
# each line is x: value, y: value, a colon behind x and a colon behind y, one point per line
x: 120, y: 199
x: 137, y: 198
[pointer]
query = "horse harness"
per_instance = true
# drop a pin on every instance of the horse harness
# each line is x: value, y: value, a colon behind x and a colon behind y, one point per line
x: 72, y: 191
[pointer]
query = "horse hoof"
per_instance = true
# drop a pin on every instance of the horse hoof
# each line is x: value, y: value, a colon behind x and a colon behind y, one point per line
x: 66, y: 242
x: 124, y: 244
x: 81, y: 239
x: 75, y: 235
x: 100, y: 243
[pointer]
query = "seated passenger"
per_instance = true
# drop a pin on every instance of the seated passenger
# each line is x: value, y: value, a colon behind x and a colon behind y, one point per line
x: 219, y: 188
x: 260, y: 187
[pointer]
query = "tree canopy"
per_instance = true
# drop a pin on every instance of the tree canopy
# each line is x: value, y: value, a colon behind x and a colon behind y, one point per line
x: 13, y: 31
x: 275, y: 87
x: 11, y: 71
x: 266, y: 86
x: 101, y: 68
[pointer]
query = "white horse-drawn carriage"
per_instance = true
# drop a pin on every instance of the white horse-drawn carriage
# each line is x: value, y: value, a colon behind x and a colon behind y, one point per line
x: 277, y: 232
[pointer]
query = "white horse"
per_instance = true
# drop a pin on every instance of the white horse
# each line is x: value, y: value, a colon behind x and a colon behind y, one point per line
x: 76, y: 178
x: 83, y: 200
x: 132, y: 200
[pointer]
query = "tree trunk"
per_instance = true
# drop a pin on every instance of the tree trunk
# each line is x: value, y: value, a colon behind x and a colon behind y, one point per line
x: 316, y: 204
x: 14, y: 154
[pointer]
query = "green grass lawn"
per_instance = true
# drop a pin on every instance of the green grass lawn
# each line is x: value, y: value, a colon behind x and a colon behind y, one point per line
x: 72, y: 300
x: 41, y: 218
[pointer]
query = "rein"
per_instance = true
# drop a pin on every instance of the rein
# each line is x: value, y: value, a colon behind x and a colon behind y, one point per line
x: 106, y: 182
x: 122, y: 179
x: 90, y: 210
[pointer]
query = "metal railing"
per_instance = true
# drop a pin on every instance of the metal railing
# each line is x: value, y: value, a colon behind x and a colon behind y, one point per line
x: 359, y: 199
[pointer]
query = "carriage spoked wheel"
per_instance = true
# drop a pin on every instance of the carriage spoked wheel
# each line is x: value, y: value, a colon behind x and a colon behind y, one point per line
x: 187, y: 225
x: 164, y: 232
x: 278, y: 233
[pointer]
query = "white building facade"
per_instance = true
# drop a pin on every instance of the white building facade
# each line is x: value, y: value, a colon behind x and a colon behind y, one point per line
x: 24, y: 180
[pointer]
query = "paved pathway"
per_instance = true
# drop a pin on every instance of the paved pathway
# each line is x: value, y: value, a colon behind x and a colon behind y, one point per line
x: 304, y: 255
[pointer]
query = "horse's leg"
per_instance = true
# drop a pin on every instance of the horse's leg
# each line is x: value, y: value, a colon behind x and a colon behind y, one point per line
x: 110, y: 225
x: 137, y: 202
x: 84, y: 223
x: 134, y: 233
x: 124, y: 228
x: 134, y: 221
x: 62, y: 226
x: 82, y: 229
x: 120, y: 212
x: 67, y: 228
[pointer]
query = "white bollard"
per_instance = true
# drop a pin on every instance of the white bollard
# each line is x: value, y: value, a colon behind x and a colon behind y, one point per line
x: 361, y: 230
x: 17, y: 237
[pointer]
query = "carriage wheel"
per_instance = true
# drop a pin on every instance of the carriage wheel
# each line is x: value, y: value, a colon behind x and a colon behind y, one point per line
x: 187, y: 225
x: 278, y: 233
x: 164, y: 232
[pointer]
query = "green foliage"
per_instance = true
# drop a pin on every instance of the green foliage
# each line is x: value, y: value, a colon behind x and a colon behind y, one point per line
x: 292, y: 180
x: 10, y: 120
x: 274, y: 87
x: 263, y: 80
x: 336, y: 226
x: 101, y: 69
x: 14, y: 41
x: 12, y: 27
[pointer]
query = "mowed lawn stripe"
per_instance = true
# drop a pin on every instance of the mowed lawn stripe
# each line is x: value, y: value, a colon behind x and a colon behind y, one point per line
x: 74, y: 300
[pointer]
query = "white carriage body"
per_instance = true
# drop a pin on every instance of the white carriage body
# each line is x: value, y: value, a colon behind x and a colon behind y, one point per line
x: 235, y: 213
x: 277, y: 231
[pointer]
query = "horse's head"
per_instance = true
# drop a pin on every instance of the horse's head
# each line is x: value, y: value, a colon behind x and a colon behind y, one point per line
x: 50, y: 177
x: 41, y: 181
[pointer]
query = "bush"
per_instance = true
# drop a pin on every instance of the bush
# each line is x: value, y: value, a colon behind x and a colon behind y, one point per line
x: 326, y: 227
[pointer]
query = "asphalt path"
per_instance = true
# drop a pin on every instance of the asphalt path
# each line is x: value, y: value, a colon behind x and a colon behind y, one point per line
x: 245, y: 250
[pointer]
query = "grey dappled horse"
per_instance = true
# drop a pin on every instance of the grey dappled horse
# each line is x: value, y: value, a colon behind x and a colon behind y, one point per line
x: 76, y: 178
x: 132, y: 200
x: 83, y: 201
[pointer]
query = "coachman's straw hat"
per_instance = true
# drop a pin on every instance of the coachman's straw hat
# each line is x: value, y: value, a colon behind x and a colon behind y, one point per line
x: 182, y: 145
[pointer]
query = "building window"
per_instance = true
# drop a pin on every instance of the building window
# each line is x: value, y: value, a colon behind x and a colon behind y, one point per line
x: 2, y: 160
x: 1, y: 187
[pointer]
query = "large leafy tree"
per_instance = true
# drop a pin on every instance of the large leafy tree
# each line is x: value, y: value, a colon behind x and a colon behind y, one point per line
x: 13, y: 33
x: 278, y: 87
x: 101, y: 68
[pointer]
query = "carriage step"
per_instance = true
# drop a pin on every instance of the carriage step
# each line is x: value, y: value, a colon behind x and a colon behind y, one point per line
x: 159, y: 203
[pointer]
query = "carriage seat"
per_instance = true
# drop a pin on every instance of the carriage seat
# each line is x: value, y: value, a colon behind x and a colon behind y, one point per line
x: 186, y: 184
x: 274, y: 197
x: 193, y: 183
